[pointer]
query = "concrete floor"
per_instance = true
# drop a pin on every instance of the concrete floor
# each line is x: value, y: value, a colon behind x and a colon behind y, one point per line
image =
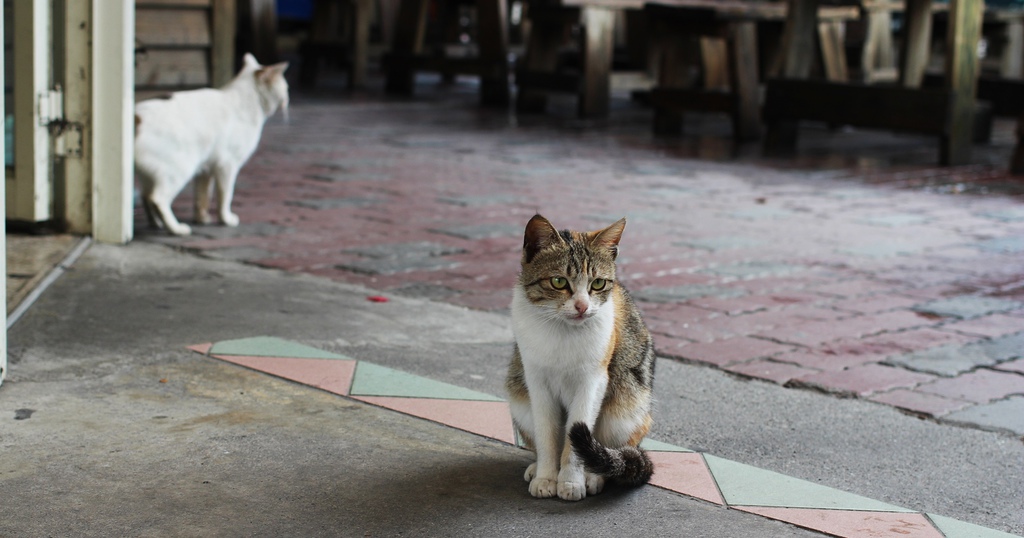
x: 110, y: 426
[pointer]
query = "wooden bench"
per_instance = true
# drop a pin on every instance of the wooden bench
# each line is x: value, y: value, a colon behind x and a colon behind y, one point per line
x: 591, y: 23
x: 727, y: 50
x: 947, y: 112
x: 339, y: 30
x: 408, y: 54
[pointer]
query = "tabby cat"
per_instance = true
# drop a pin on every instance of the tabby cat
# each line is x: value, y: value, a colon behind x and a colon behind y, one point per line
x: 581, y: 374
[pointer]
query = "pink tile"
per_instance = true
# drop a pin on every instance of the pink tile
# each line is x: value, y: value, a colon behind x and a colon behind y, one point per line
x: 814, y: 333
x: 920, y: 339
x: 675, y: 312
x: 733, y: 350
x: 826, y: 359
x: 980, y: 386
x: 1012, y: 366
x: 332, y: 375
x: 490, y: 419
x: 919, y: 402
x: 866, y: 379
x: 991, y: 326
x: 202, y: 349
x: 733, y: 305
x: 851, y: 524
x: 686, y: 473
x: 876, y: 303
x: 669, y: 345
x: 853, y: 288
x: 776, y: 372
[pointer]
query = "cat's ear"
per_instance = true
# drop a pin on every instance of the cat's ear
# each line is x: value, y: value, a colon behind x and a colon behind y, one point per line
x: 540, y: 234
x: 609, y: 237
x: 269, y: 73
x: 250, y: 60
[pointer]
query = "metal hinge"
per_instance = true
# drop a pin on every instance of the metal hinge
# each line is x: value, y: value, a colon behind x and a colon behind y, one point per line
x: 67, y: 136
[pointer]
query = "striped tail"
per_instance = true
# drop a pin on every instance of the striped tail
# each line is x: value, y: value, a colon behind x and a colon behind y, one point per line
x: 628, y: 465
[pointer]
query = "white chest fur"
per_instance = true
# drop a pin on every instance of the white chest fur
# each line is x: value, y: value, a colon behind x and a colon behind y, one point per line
x: 563, y: 357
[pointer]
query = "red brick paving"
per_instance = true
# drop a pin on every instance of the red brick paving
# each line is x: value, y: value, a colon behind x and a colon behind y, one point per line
x: 919, y: 402
x: 825, y: 360
x: 1012, y: 366
x: 865, y: 379
x: 991, y: 326
x: 732, y: 350
x: 769, y: 370
x: 980, y: 386
x: 827, y: 323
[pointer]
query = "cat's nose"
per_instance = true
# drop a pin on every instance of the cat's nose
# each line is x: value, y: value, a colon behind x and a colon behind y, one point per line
x: 581, y: 307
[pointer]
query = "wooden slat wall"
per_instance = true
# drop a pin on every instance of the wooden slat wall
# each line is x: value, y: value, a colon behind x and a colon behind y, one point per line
x: 187, y: 44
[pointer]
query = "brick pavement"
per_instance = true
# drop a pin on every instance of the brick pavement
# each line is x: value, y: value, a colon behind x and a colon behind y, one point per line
x: 894, y: 280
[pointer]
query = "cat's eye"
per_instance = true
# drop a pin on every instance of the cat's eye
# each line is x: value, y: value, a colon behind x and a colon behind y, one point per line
x: 598, y: 284
x: 559, y: 283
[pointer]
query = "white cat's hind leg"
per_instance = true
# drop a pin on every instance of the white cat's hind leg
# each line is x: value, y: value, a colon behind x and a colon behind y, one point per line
x: 146, y: 186
x: 151, y: 215
x: 202, y: 198
x: 163, y: 209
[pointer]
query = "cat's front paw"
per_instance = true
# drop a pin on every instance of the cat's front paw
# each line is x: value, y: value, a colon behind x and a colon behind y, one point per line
x: 531, y: 472
x: 202, y: 217
x: 230, y: 220
x: 572, y: 491
x: 543, y: 488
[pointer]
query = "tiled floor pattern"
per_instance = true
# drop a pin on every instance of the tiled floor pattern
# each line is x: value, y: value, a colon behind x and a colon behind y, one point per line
x: 716, y: 480
x: 897, y: 282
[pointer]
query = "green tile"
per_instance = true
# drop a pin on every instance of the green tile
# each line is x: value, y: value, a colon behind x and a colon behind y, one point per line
x: 953, y: 528
x: 375, y: 380
x: 269, y: 346
x: 745, y: 485
x: 658, y: 446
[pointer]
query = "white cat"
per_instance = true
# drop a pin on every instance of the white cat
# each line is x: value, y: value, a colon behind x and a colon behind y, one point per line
x: 206, y: 135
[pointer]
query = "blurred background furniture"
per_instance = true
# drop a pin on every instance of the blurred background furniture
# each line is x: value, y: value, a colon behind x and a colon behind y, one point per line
x: 718, y: 41
x: 339, y: 33
x: 487, y: 58
x: 947, y: 112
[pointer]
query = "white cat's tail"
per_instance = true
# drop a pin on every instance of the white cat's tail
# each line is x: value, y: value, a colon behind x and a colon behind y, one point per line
x: 629, y: 465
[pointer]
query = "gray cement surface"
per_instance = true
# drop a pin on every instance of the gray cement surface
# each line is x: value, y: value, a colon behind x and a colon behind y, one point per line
x: 131, y: 434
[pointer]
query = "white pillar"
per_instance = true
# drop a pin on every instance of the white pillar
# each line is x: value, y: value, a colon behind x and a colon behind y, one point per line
x: 113, y: 125
x: 3, y: 237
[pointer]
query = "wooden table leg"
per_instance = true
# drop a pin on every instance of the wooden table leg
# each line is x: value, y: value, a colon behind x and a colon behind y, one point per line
x: 1017, y: 162
x: 797, y: 49
x: 547, y: 33
x: 362, y: 13
x: 597, y: 45
x: 745, y: 81
x: 408, y: 42
x: 678, y: 54
x: 1012, y: 63
x: 714, y: 52
x: 917, y: 42
x: 492, y: 19
x: 796, y: 56
x: 878, y: 59
x: 833, y: 51
x: 965, y: 17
